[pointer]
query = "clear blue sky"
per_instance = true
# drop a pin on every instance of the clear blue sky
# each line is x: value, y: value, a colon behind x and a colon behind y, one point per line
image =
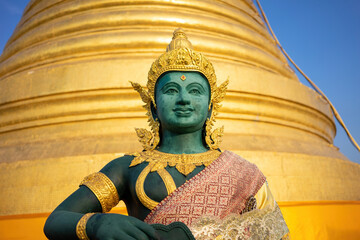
x: 322, y: 37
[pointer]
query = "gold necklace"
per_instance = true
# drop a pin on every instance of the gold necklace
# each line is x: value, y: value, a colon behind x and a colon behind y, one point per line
x: 184, y: 163
x: 158, y: 161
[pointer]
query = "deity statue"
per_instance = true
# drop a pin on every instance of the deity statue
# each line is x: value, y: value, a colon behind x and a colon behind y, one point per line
x: 181, y: 186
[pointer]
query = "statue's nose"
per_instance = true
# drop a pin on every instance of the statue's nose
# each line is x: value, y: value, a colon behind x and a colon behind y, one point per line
x: 184, y: 97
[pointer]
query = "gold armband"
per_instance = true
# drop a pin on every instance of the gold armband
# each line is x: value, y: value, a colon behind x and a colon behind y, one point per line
x: 81, y: 226
x: 103, y: 188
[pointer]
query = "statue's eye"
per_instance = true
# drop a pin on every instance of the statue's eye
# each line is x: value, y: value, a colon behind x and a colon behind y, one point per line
x: 171, y: 91
x: 195, y: 91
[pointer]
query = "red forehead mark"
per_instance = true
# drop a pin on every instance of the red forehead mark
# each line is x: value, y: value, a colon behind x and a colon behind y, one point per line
x: 183, y: 77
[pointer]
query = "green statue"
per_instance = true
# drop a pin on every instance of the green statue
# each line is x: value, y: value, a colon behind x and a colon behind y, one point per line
x: 181, y: 186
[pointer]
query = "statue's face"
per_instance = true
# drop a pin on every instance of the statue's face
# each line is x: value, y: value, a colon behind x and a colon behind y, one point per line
x: 182, y: 104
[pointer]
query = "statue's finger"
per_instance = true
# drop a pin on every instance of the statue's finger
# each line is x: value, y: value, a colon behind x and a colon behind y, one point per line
x: 137, y: 233
x: 147, y: 229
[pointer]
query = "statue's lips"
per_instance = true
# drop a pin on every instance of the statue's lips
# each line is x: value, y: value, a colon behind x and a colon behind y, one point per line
x: 183, y: 112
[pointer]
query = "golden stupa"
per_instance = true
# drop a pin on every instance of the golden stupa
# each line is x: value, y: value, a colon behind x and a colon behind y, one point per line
x: 67, y: 107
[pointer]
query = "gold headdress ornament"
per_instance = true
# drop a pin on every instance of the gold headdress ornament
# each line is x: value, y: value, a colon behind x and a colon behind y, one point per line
x: 180, y: 56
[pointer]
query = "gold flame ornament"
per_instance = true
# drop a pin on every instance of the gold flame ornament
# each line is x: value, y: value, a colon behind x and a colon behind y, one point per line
x: 180, y: 56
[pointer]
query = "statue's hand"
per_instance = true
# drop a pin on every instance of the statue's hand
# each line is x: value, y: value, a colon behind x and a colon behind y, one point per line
x: 118, y: 227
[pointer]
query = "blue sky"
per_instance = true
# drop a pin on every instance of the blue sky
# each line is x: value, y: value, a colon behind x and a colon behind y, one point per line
x: 322, y: 37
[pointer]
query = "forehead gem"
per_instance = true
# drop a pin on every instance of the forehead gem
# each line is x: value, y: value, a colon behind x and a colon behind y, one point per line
x: 183, y: 77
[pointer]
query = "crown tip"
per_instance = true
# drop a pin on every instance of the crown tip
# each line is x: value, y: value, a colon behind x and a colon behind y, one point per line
x: 179, y: 32
x: 179, y: 40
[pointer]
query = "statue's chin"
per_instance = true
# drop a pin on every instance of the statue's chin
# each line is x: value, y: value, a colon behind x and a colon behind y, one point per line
x: 185, y: 128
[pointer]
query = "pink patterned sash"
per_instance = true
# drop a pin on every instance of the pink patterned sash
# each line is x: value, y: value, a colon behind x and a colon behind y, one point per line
x: 220, y: 189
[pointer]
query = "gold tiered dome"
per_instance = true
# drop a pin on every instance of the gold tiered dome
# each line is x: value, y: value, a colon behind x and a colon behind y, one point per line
x: 67, y: 107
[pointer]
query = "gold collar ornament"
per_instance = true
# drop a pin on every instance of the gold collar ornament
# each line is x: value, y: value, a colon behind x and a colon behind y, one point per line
x: 158, y: 161
x: 184, y: 163
x: 180, y: 56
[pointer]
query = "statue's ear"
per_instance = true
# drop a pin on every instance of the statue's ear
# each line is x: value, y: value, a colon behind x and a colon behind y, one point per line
x: 153, y: 111
x: 210, y: 111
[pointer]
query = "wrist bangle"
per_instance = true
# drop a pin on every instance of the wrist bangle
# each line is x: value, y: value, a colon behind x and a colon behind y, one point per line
x: 81, y: 226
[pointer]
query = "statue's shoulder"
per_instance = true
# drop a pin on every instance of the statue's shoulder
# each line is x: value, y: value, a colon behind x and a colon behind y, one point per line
x: 120, y: 164
x: 117, y: 170
x: 245, y: 164
x: 246, y: 171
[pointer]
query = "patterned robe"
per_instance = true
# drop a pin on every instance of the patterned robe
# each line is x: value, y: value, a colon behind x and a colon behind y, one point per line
x: 229, y: 199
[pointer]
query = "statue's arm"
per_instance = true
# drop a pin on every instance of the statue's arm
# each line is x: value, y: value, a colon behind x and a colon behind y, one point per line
x: 62, y: 222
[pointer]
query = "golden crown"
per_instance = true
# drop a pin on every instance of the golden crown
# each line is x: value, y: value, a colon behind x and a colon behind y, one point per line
x: 179, y: 56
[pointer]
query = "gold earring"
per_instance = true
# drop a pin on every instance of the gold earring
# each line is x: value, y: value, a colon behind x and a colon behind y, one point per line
x: 213, y: 139
x: 149, y: 140
x: 156, y: 130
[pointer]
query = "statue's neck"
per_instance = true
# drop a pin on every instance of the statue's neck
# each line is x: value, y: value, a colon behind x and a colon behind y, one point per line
x: 182, y: 143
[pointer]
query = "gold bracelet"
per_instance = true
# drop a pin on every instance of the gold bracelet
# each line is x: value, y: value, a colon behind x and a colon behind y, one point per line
x: 103, y: 188
x: 81, y: 226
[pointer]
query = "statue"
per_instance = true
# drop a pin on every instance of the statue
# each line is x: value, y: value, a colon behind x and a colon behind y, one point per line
x: 181, y: 186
